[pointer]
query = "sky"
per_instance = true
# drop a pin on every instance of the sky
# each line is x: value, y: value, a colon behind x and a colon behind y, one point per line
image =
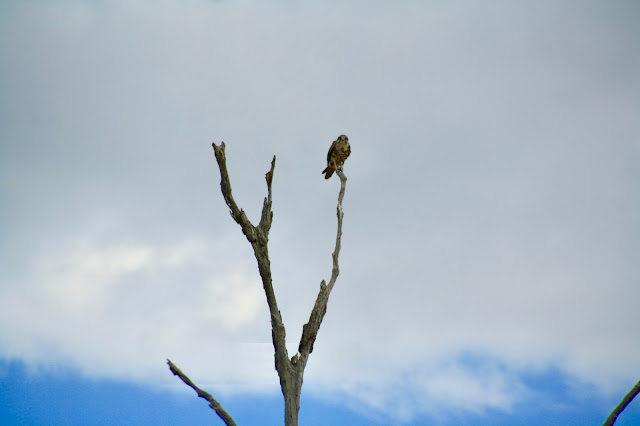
x: 491, y: 238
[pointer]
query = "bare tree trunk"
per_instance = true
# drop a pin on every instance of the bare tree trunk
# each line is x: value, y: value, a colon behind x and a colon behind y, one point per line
x: 290, y: 371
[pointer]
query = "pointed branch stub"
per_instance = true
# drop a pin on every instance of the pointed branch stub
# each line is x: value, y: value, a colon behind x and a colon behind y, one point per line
x: 213, y: 403
x: 225, y: 185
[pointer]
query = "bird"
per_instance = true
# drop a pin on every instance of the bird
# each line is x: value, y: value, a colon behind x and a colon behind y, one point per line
x: 338, y: 153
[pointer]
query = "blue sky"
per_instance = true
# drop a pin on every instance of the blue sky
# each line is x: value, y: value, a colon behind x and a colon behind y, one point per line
x: 491, y: 237
x: 63, y: 397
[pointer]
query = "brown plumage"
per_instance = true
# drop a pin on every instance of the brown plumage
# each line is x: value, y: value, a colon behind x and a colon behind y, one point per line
x: 338, y: 153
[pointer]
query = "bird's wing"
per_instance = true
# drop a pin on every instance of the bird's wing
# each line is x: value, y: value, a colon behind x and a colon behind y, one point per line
x: 331, y: 150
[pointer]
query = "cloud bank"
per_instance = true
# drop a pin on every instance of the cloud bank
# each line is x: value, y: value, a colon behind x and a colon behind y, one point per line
x: 491, y: 217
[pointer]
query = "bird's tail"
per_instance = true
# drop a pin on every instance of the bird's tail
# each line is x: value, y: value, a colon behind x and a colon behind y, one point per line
x: 328, y: 172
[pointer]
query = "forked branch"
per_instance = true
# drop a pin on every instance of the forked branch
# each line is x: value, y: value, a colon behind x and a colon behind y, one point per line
x: 258, y: 236
x: 290, y: 371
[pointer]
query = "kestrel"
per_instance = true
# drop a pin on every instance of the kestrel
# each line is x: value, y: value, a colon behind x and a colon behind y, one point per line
x: 338, y: 153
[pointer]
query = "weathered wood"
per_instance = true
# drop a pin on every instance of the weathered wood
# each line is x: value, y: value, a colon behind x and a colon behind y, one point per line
x: 290, y: 371
x: 213, y: 403
x: 623, y: 404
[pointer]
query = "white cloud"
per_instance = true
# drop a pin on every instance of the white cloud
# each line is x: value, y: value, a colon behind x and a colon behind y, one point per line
x: 492, y: 205
x: 84, y: 277
x: 397, y: 392
x: 114, y: 309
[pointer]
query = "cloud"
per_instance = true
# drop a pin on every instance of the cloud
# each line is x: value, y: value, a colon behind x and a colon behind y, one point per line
x: 438, y: 388
x: 111, y: 310
x: 491, y: 208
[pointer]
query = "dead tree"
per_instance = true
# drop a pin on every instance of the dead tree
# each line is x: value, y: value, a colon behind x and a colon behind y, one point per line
x: 290, y: 370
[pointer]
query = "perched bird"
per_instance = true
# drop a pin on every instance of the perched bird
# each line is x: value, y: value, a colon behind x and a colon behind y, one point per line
x: 338, y: 153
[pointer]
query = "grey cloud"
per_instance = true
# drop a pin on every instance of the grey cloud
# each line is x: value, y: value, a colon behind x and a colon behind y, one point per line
x: 492, y: 203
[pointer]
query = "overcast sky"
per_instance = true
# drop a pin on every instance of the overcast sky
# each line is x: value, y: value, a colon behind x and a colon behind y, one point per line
x: 492, y: 215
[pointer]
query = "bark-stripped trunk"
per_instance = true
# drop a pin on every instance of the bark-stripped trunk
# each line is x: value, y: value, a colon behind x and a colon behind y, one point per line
x: 290, y: 370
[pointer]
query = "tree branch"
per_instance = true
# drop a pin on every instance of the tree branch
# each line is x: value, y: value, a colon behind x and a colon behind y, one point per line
x: 623, y: 404
x: 267, y: 215
x: 290, y: 371
x: 226, y: 418
x: 236, y: 213
x: 259, y: 237
x: 310, y: 329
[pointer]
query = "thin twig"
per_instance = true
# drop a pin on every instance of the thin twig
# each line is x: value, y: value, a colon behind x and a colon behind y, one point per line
x: 215, y: 405
x: 623, y: 404
x: 336, y: 251
x: 310, y: 329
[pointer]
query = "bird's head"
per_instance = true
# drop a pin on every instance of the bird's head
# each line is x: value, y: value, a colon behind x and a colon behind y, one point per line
x: 343, y: 138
